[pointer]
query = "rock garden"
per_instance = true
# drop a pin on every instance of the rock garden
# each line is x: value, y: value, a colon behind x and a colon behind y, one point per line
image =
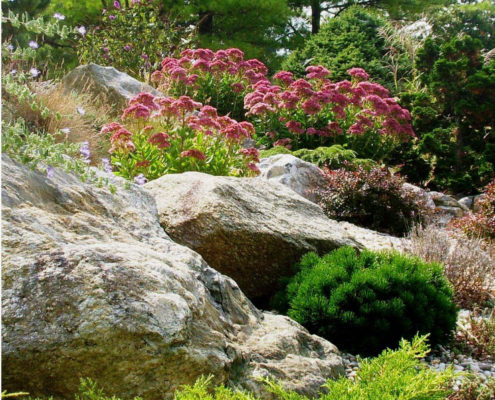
x: 187, y: 214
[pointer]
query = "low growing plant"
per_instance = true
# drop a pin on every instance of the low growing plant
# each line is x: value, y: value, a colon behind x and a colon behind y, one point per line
x: 477, y: 334
x: 333, y: 157
x: 472, y: 387
x: 469, y: 262
x: 367, y: 302
x: 313, y: 112
x: 482, y: 222
x: 167, y: 135
x: 372, y: 198
x: 40, y: 150
x: 220, y: 78
x: 394, y: 374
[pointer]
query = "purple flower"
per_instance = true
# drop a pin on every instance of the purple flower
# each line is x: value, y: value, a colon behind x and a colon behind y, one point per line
x: 116, y: 4
x: 65, y: 130
x: 80, y: 110
x: 10, y: 47
x: 59, y: 16
x: 105, y: 49
x: 33, y: 44
x: 106, y: 164
x: 144, y: 56
x: 127, y: 47
x: 85, y: 152
x: 34, y: 72
x: 140, y: 179
x: 13, y: 72
x: 111, y: 17
x: 49, y: 172
x: 82, y: 30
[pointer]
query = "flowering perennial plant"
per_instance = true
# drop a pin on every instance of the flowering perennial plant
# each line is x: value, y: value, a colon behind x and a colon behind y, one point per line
x: 316, y: 112
x: 168, y: 135
x: 220, y: 78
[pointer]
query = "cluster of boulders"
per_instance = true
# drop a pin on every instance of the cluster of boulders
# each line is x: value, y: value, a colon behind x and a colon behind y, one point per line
x: 149, y: 288
x: 94, y: 287
x: 303, y: 177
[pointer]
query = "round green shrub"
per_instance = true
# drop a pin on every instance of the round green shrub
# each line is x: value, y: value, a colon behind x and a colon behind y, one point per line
x: 367, y: 302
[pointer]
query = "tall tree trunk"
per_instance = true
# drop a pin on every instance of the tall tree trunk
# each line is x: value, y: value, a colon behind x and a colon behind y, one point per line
x: 205, y: 24
x: 315, y: 16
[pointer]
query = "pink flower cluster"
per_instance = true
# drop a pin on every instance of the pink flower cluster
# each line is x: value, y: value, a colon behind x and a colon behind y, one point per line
x: 121, y: 138
x: 365, y: 104
x: 166, y: 114
x: 193, y: 63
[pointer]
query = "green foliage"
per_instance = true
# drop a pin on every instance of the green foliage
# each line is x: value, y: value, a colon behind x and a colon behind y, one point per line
x: 455, y: 118
x: 54, y: 42
x: 18, y: 88
x: 258, y: 27
x: 123, y: 38
x: 394, y: 374
x: 333, y: 157
x: 274, y: 151
x: 350, y: 40
x: 365, y: 303
x: 41, y: 151
x: 476, y: 20
x: 201, y: 390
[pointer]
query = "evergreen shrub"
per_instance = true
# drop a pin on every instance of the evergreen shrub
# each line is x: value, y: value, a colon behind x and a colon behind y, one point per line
x: 367, y: 302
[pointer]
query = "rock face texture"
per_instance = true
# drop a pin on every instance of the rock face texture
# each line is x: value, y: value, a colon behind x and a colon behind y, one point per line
x: 249, y: 229
x: 301, y: 176
x: 105, y: 83
x: 93, y: 287
x: 447, y: 207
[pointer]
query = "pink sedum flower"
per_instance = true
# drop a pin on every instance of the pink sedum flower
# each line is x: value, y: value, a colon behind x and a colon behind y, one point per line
x: 358, y: 73
x: 136, y: 111
x: 160, y: 140
x: 194, y: 153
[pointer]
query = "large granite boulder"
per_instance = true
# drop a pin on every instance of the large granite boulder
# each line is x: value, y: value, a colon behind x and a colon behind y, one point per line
x: 301, y: 176
x: 249, y: 229
x: 93, y: 287
x: 105, y: 83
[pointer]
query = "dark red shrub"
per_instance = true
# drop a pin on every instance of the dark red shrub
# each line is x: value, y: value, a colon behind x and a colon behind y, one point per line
x: 372, y: 198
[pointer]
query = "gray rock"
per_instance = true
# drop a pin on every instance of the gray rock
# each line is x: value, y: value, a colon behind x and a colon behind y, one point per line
x: 422, y: 194
x: 93, y: 287
x: 105, y: 83
x: 249, y: 229
x: 447, y: 207
x: 467, y: 201
x: 301, y: 176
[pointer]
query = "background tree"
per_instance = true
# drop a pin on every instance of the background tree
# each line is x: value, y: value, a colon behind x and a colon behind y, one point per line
x: 396, y: 9
x: 461, y: 107
x: 259, y: 27
x: 476, y: 20
x: 350, y: 40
